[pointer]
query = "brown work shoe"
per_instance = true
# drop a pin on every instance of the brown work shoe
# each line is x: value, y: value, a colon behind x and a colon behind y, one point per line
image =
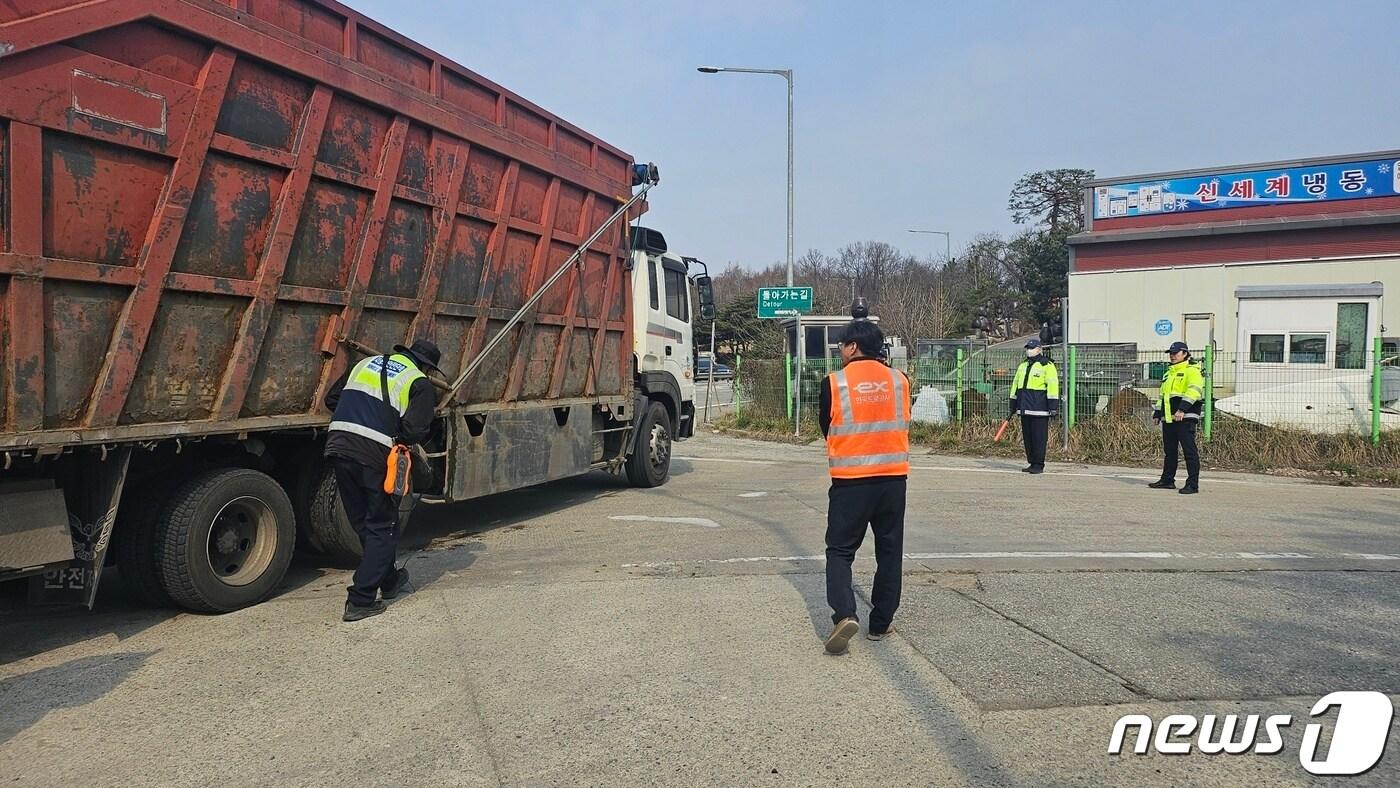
x: 880, y: 635
x: 841, y: 635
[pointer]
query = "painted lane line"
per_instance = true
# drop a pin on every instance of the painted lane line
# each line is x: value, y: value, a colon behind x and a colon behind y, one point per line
x: 1044, y: 554
x: 956, y: 469
x: 752, y: 494
x: 1078, y: 474
x: 725, y: 459
x: 759, y: 559
x: 646, y: 518
x: 1036, y: 554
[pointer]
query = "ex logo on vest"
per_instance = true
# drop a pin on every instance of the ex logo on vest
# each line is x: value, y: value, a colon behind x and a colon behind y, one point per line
x: 866, y: 390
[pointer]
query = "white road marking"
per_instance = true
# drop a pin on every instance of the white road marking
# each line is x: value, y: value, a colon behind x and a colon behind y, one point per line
x: 1039, y: 554
x: 646, y: 518
x: 1035, y: 554
x: 752, y: 494
x: 725, y: 459
x: 1011, y: 471
x: 758, y: 559
x: 1014, y: 471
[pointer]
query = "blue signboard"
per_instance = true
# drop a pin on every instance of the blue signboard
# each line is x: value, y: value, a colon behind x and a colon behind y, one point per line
x: 1312, y: 183
x: 1163, y: 327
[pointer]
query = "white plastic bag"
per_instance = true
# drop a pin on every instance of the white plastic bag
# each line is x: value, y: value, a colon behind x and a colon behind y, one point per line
x: 930, y: 407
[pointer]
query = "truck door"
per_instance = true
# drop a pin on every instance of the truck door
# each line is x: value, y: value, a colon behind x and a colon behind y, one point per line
x: 672, y: 321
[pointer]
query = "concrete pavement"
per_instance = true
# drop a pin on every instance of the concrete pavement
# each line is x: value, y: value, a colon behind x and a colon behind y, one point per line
x: 587, y: 633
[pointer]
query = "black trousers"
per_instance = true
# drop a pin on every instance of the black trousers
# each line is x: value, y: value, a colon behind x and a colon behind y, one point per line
x: 850, y: 509
x: 1181, y: 433
x: 1035, y: 432
x: 374, y: 514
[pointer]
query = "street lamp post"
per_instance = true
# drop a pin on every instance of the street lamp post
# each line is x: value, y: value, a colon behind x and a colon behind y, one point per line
x: 785, y: 73
x: 947, y: 241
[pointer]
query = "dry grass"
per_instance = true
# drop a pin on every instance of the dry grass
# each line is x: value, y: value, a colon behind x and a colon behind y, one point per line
x: 1235, y: 444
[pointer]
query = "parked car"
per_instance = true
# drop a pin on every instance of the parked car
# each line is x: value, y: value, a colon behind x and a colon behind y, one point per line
x: 702, y: 370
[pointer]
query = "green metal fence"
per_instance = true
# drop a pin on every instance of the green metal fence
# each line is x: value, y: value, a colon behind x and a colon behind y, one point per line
x: 1303, y: 387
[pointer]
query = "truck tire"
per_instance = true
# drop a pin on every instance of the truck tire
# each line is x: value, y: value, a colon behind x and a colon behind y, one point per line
x: 134, y: 543
x: 650, y: 463
x: 225, y: 540
x: 328, y: 529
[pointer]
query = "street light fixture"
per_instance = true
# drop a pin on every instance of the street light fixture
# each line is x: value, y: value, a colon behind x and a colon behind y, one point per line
x: 947, y: 241
x: 785, y: 73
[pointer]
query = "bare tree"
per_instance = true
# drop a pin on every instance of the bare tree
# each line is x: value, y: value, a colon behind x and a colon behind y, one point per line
x: 917, y: 304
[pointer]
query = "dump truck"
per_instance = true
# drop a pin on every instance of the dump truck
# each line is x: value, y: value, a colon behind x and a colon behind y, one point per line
x: 213, y: 207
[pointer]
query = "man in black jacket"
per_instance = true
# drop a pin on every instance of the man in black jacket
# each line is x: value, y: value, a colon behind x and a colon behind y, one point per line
x: 379, y: 402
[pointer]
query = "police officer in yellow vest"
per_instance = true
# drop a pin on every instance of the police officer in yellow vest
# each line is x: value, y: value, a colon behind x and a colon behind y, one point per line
x: 1179, y: 411
x: 864, y: 414
x: 1035, y: 395
x: 381, y: 401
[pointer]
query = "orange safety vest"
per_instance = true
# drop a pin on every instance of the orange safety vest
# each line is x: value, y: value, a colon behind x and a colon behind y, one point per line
x: 869, y: 433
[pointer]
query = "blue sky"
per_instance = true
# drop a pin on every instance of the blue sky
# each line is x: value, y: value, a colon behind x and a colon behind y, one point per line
x: 923, y: 114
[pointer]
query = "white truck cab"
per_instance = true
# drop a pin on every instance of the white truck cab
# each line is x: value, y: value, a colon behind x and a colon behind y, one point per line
x: 665, y: 307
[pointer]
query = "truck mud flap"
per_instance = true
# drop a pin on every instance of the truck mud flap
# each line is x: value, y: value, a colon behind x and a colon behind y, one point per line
x: 33, y: 528
x: 90, y: 532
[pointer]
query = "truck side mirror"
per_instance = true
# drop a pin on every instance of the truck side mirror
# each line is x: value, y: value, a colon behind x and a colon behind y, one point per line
x: 706, y: 288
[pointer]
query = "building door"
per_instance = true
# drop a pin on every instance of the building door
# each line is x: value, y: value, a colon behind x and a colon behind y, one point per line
x: 1198, y: 332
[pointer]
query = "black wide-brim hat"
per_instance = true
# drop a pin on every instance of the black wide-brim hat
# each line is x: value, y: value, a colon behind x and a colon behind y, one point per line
x: 423, y: 352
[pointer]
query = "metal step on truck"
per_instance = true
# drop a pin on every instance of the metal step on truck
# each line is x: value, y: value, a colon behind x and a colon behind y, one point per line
x: 211, y: 209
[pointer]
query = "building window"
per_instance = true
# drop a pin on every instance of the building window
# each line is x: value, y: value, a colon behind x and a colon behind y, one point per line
x: 1351, y: 336
x: 1307, y: 348
x: 1266, y: 348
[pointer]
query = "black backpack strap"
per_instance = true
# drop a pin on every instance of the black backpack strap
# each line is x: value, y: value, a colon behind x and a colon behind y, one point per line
x: 384, y: 390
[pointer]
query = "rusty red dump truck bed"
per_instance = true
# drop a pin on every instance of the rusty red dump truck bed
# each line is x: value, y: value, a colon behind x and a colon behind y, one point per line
x: 209, y: 210
x: 201, y: 197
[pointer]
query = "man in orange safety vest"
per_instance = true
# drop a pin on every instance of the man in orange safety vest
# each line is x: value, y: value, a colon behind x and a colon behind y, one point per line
x: 865, y: 411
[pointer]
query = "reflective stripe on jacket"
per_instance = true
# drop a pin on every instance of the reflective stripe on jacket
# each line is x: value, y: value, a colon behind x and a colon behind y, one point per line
x: 1183, y: 389
x: 869, y: 434
x: 1035, y: 388
x: 361, y: 408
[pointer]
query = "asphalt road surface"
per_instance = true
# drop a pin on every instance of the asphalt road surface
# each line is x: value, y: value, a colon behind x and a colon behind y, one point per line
x: 723, y: 400
x: 587, y: 633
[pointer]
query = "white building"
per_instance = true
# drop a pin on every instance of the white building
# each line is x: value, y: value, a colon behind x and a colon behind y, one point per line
x: 1282, y: 267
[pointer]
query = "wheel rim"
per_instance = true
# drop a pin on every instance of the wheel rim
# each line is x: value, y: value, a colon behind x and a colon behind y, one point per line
x: 242, y: 541
x: 660, y: 448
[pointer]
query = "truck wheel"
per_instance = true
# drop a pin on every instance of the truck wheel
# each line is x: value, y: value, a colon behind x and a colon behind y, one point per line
x: 134, y: 543
x: 650, y: 463
x: 328, y: 529
x: 225, y: 540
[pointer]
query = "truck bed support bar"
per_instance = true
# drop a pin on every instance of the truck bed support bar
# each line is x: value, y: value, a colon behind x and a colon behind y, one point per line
x: 515, y: 319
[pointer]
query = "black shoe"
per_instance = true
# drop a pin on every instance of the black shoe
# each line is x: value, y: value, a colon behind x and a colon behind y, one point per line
x: 1026, y: 469
x: 1036, y: 469
x: 396, y: 584
x: 1162, y: 485
x: 354, y: 612
x: 1188, y: 490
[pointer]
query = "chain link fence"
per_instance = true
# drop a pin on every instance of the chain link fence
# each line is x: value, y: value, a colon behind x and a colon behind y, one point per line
x: 1299, y: 388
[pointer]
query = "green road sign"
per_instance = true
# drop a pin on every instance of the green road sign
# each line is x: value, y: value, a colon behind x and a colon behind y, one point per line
x: 784, y: 301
